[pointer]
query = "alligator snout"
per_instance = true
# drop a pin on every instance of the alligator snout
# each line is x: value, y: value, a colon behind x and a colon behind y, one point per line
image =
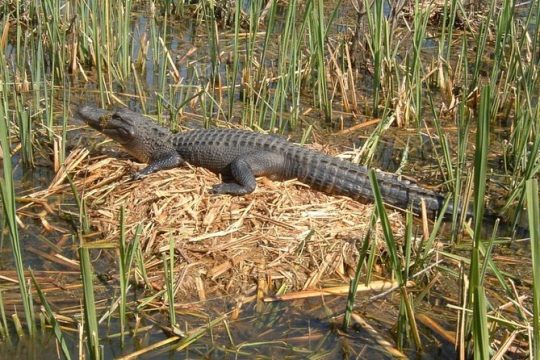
x: 93, y: 116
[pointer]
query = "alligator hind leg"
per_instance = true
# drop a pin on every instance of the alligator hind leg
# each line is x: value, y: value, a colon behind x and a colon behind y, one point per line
x: 245, y: 168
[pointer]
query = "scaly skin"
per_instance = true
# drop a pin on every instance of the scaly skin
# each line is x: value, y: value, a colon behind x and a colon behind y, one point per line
x: 240, y: 156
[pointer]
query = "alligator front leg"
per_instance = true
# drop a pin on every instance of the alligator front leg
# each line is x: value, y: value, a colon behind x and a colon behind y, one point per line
x: 163, y: 162
x: 245, y: 168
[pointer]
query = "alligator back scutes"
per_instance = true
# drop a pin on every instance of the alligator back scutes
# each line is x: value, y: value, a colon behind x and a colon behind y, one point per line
x: 228, y: 138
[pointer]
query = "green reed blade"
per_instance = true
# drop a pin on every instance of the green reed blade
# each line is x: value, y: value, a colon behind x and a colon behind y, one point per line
x: 90, y: 314
x: 7, y: 188
x: 52, y: 319
x: 533, y: 211
x: 123, y: 275
x: 395, y: 263
x: 480, y: 329
x: 5, y: 333
x: 168, y: 265
x: 127, y: 255
x: 353, y: 284
x: 235, y: 62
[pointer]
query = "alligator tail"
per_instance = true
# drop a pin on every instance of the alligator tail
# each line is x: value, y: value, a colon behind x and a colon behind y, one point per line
x: 335, y: 176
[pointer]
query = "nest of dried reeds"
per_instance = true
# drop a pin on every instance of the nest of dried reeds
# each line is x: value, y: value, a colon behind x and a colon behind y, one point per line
x: 282, y: 235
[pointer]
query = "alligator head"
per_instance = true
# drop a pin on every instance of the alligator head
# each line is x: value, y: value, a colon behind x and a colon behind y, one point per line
x: 140, y: 136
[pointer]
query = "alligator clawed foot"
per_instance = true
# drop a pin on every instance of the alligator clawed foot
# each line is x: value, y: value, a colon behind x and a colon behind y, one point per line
x: 217, y: 189
x: 233, y: 189
x: 137, y: 176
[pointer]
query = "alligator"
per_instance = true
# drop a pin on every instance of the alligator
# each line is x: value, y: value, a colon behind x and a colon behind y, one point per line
x: 240, y: 156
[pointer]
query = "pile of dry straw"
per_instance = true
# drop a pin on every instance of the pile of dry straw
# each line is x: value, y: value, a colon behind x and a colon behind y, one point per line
x: 282, y: 235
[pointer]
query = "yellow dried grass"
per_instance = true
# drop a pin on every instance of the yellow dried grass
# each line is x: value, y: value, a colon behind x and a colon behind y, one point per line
x: 282, y: 233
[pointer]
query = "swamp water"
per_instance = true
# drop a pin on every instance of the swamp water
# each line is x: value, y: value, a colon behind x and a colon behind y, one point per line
x: 175, y: 57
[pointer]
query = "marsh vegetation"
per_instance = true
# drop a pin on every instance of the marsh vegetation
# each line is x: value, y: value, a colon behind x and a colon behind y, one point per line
x: 95, y: 265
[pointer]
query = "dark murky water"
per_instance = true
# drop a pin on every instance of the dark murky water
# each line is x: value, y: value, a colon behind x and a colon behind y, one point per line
x: 298, y: 329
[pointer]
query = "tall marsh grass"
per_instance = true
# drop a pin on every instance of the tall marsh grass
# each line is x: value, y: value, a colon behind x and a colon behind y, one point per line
x: 276, y: 67
x: 9, y: 205
x: 533, y: 204
x: 406, y: 321
x: 379, y: 45
x: 477, y: 295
